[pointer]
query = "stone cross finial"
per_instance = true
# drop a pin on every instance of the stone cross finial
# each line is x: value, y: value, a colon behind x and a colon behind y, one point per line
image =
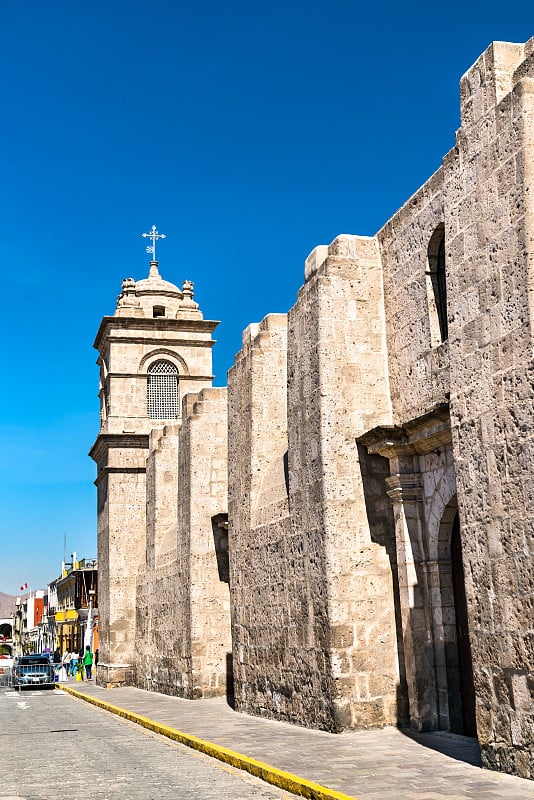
x: 154, y: 235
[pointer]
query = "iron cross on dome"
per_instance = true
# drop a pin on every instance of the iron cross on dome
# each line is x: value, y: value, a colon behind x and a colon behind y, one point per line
x: 154, y: 235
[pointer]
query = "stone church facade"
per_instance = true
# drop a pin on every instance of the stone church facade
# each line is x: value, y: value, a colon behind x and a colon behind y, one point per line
x: 342, y: 538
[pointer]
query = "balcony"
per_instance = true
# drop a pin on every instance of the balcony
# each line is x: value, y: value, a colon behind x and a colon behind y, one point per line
x: 66, y: 616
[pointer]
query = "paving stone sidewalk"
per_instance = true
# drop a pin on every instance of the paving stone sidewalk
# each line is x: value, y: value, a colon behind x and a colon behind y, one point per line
x: 367, y: 765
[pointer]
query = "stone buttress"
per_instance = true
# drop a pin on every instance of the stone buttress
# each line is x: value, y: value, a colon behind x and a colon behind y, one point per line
x: 338, y: 388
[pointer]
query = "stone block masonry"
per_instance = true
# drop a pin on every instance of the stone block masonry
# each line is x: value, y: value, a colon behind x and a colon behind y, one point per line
x: 183, y: 612
x: 492, y: 403
x: 338, y: 387
x: 345, y: 540
x: 266, y: 575
x: 203, y: 535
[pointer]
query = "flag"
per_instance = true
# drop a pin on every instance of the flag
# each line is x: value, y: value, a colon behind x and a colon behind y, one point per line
x: 23, y: 587
x: 88, y: 638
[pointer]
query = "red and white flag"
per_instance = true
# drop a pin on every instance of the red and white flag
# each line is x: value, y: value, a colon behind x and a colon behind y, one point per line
x: 23, y: 587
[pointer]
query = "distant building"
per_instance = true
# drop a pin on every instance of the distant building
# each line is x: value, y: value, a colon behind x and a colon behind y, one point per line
x: 27, y: 619
x: 6, y: 643
x: 18, y: 644
x: 76, y: 611
x: 47, y: 626
x: 35, y: 609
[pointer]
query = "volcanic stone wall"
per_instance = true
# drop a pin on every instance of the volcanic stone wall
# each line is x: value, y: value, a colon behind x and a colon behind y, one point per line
x: 338, y: 388
x: 418, y: 367
x: 121, y: 486
x: 183, y: 608
x: 163, y: 660
x: 281, y: 664
x: 313, y: 609
x: 360, y: 430
x: 161, y: 493
x: 202, y: 536
x: 481, y: 198
x: 489, y: 191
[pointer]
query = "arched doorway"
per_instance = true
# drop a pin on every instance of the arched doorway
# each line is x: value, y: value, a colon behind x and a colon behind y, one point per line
x: 5, y: 631
x: 465, y: 661
x: 454, y: 666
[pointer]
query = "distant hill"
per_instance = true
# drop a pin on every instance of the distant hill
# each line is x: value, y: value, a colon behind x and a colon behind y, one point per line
x: 7, y: 604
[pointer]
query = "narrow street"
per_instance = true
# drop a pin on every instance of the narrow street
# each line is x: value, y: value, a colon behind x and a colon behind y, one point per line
x: 53, y: 747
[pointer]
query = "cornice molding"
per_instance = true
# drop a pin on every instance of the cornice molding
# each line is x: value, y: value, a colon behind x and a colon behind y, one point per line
x: 105, y: 441
x: 415, y: 437
x: 150, y: 324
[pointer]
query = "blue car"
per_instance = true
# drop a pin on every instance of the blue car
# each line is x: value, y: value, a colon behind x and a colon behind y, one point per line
x: 33, y: 670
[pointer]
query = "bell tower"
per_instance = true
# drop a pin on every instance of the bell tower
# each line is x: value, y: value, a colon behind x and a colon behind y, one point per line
x: 155, y: 349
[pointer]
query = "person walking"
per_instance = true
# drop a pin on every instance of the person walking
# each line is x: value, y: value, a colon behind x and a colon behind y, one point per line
x: 88, y: 662
x: 67, y: 659
x: 62, y: 670
x: 74, y: 663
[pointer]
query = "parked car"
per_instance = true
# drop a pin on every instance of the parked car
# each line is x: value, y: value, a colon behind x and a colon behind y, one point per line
x: 33, y: 670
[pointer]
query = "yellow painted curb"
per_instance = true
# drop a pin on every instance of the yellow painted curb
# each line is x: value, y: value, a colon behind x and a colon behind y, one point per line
x: 284, y: 780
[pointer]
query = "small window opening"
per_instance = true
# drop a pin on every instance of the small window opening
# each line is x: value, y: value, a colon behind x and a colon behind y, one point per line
x: 436, y: 287
x: 158, y: 311
x: 219, y: 524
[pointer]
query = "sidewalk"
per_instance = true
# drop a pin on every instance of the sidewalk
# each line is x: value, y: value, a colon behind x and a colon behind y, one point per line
x: 367, y: 765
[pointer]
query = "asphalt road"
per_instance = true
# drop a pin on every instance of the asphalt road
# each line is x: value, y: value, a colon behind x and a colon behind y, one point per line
x: 54, y: 747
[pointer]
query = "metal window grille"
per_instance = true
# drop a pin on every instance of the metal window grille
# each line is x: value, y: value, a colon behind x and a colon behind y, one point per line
x: 162, y: 390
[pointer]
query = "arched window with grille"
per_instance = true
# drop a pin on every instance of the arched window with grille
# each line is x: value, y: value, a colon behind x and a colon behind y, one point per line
x: 162, y: 390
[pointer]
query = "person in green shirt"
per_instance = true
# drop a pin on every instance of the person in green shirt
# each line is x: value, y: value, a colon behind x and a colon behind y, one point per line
x: 88, y: 662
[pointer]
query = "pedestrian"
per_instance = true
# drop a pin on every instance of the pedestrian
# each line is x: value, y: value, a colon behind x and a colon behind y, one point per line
x: 67, y: 660
x: 57, y: 656
x: 88, y: 662
x: 74, y: 663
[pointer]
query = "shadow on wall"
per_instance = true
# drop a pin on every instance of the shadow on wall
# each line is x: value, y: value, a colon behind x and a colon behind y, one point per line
x: 230, y: 698
x: 433, y: 644
x: 219, y: 525
x: 374, y: 471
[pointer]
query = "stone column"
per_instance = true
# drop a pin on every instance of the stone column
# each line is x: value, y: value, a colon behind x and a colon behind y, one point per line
x: 405, y: 492
x: 439, y: 582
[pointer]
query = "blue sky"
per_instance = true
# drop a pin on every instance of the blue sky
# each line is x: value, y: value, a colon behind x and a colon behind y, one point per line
x: 247, y: 132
